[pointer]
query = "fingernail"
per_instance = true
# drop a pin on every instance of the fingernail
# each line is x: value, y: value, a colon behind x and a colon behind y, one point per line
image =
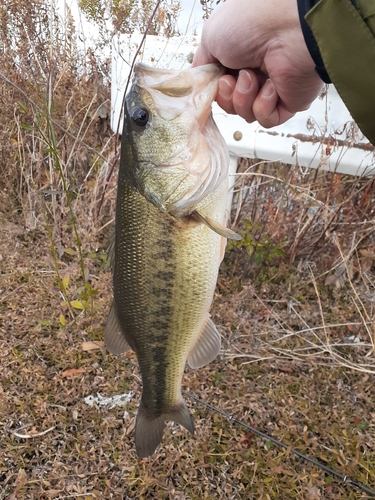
x: 268, y: 89
x: 225, y: 89
x: 244, y: 81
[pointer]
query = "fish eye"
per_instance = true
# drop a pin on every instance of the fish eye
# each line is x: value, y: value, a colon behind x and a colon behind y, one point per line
x: 140, y: 116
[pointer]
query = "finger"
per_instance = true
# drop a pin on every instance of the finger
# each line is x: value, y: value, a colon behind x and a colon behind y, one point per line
x: 202, y: 56
x: 244, y: 94
x: 268, y: 109
x: 227, y: 84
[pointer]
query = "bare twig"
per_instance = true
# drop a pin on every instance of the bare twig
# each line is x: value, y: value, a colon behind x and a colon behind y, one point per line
x: 30, y: 436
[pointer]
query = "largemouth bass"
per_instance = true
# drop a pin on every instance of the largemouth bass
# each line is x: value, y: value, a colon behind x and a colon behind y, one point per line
x: 170, y: 237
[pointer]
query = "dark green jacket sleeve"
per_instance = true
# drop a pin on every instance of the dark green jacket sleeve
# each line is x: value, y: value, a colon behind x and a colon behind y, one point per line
x: 340, y: 35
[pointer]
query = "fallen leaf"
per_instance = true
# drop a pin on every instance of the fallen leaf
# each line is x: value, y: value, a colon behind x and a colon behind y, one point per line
x: 53, y: 493
x: 65, y: 282
x: 20, y: 483
x: 70, y: 251
x: 77, y: 304
x: 314, y: 492
x: 357, y: 420
x: 367, y: 252
x: 90, y: 346
x: 247, y: 440
x: 285, y: 369
x: 72, y: 371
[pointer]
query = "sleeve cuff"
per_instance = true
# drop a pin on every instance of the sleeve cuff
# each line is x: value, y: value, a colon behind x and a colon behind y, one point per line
x: 303, y: 7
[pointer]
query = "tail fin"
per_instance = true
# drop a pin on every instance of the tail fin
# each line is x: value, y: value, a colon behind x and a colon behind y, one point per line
x: 149, y: 429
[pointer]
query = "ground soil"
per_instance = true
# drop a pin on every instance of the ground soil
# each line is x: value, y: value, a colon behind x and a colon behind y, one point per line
x: 55, y: 445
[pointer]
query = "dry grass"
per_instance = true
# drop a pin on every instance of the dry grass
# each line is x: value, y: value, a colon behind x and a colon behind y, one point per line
x: 280, y: 371
x: 294, y: 305
x: 324, y: 411
x: 313, y: 235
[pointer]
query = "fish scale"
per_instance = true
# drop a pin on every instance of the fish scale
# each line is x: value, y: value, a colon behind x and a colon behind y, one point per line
x: 163, y: 289
x: 169, y: 239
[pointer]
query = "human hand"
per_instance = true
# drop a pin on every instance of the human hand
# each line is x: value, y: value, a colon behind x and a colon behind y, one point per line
x: 264, y: 41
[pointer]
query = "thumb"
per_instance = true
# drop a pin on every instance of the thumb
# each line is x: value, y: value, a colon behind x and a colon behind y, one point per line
x: 203, y: 56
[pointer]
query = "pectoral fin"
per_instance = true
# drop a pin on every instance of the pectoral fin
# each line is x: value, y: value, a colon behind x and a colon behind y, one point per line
x: 215, y: 226
x: 114, y: 338
x: 207, y: 346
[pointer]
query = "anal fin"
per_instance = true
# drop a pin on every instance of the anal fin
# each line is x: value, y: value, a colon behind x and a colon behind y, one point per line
x: 207, y: 346
x: 114, y: 339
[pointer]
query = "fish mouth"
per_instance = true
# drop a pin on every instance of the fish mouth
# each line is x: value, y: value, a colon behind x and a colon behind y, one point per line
x: 168, y: 79
x: 200, y: 84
